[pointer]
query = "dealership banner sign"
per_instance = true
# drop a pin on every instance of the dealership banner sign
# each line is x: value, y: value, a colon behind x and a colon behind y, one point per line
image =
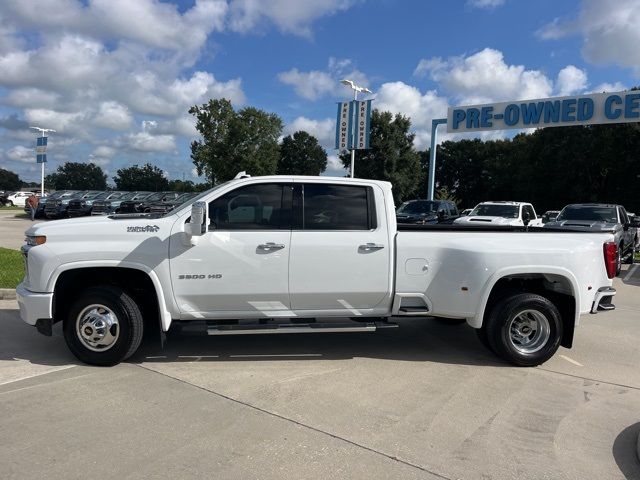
x: 41, y: 150
x: 598, y: 108
x: 353, y: 125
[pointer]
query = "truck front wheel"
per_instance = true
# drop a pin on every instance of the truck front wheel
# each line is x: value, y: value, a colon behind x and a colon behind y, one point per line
x: 104, y: 326
x: 524, y: 329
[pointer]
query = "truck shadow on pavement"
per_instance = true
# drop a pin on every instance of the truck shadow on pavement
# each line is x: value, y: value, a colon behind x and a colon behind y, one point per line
x: 625, y: 451
x: 422, y: 340
x: 414, y: 341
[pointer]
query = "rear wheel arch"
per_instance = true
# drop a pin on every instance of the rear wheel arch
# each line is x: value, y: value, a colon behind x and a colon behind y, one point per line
x: 558, y: 288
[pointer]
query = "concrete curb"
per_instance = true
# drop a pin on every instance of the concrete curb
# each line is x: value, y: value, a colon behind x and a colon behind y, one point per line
x: 7, y: 293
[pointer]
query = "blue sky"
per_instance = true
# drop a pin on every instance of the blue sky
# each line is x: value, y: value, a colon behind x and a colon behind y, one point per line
x: 115, y: 77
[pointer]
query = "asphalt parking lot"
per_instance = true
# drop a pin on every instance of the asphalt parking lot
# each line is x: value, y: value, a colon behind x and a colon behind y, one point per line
x: 422, y: 401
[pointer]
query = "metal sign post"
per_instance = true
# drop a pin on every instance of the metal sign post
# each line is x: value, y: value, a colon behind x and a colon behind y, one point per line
x: 432, y: 156
x: 41, y: 153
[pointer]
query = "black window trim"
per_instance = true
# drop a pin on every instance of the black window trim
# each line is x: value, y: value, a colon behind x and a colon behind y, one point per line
x: 297, y: 216
x: 286, y: 220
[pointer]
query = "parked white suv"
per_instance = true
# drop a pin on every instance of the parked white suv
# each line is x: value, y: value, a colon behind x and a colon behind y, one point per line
x: 18, y: 199
x: 501, y: 213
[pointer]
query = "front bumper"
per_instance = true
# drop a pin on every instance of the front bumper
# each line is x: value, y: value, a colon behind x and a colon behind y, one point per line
x: 603, y: 300
x: 34, y: 306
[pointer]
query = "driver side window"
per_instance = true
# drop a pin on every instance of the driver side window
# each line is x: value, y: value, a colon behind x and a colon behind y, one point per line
x: 254, y: 207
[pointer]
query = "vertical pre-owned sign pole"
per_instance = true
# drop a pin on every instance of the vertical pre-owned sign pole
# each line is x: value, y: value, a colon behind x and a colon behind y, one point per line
x: 432, y: 156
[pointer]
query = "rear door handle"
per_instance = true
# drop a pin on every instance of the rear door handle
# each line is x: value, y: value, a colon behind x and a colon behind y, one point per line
x: 369, y: 247
x: 270, y: 246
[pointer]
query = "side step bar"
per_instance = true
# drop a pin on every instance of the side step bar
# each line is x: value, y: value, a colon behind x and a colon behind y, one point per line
x: 213, y: 328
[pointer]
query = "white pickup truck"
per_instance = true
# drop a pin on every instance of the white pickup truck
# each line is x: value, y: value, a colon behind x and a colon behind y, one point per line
x: 287, y: 254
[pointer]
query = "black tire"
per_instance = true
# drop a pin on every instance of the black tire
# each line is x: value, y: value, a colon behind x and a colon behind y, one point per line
x: 484, y: 339
x: 129, y: 330
x: 632, y: 253
x: 509, y: 310
x: 9, y: 203
x: 619, y: 259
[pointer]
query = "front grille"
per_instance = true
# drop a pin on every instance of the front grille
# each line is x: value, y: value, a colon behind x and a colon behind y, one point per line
x: 100, y: 207
x: 76, y: 205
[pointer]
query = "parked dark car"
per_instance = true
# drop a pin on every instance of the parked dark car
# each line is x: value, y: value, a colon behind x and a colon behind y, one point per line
x: 144, y: 205
x: 168, y: 205
x: 602, y: 217
x: 427, y: 211
x: 112, y: 204
x: 56, y: 206
x: 549, y: 216
x: 79, y: 207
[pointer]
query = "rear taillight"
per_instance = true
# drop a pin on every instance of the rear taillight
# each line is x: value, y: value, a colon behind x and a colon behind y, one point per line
x: 611, y: 258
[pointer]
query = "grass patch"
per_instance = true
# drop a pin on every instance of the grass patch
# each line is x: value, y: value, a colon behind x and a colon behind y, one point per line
x: 7, y: 208
x: 11, y: 268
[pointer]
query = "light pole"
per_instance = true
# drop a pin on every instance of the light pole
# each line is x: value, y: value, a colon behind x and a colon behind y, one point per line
x: 356, y: 89
x: 42, y: 131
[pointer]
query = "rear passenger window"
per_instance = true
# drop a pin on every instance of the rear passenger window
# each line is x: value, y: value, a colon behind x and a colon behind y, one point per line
x: 454, y: 210
x: 337, y: 207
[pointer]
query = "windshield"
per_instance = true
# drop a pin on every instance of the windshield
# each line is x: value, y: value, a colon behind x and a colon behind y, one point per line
x: 493, y: 210
x: 196, y: 198
x: 418, y: 206
x: 156, y: 197
x: 597, y: 214
x: 126, y: 196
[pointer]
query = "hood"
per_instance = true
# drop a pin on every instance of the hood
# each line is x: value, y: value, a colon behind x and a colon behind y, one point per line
x: 482, y: 220
x: 99, y: 226
x: 414, y: 217
x: 591, y: 225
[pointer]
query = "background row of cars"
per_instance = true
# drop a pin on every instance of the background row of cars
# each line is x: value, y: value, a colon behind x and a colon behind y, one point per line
x: 73, y: 203
x: 595, y: 217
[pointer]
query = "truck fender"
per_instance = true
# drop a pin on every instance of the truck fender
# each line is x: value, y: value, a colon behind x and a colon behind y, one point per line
x: 165, y: 315
x: 476, y: 321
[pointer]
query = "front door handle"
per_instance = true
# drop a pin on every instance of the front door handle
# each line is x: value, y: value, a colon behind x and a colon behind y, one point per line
x: 370, y: 247
x: 270, y: 246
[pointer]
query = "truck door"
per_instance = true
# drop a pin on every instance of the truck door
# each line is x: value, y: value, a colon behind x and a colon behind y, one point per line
x: 241, y: 264
x: 340, y: 251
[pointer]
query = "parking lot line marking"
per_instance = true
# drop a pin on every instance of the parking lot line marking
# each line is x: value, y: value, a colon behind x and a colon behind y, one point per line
x: 630, y: 272
x: 57, y: 369
x: 571, y: 360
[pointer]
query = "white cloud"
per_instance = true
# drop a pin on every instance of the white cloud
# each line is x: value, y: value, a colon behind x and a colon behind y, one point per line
x: 145, y: 142
x: 334, y: 167
x: 290, y: 16
x: 104, y: 151
x: 609, y: 29
x: 571, y: 80
x: 315, y: 84
x: 609, y: 87
x: 485, y: 77
x: 20, y: 153
x: 398, y: 97
x: 323, y: 130
x: 485, y: 3
x: 149, y: 22
x: 114, y: 116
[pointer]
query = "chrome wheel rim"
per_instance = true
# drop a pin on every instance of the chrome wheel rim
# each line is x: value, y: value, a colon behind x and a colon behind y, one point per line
x: 97, y: 328
x: 529, y: 331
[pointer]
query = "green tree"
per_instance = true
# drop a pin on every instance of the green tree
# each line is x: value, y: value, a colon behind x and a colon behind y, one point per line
x: 9, y: 180
x: 77, y: 176
x: 148, y: 177
x: 234, y: 141
x: 301, y: 154
x: 391, y: 155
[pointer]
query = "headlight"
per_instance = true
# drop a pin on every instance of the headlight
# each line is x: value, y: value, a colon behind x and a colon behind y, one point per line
x: 35, y: 240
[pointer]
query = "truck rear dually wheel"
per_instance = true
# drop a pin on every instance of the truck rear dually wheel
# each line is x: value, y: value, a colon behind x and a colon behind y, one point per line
x: 104, y: 326
x: 524, y: 329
